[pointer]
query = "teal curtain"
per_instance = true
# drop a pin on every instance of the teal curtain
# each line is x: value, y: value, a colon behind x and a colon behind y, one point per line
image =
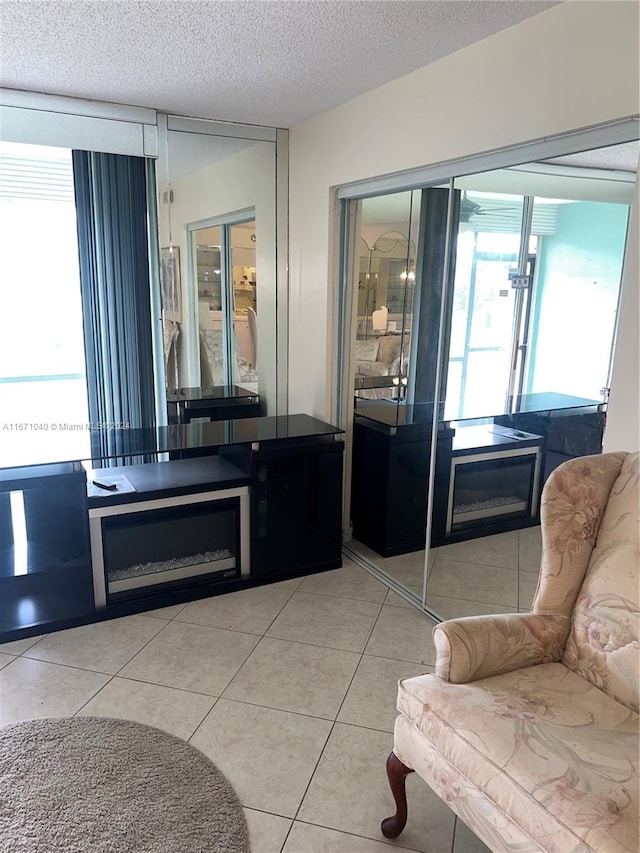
x: 111, y: 205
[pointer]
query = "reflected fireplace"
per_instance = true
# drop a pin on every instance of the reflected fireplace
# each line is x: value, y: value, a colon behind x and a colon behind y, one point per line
x: 489, y: 486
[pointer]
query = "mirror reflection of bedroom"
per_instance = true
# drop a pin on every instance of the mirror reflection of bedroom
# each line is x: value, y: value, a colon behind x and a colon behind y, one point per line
x: 215, y: 279
x: 507, y: 372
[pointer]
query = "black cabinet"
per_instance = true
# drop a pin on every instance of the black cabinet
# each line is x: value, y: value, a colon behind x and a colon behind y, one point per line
x: 218, y: 403
x: 571, y: 426
x: 260, y: 500
x: 296, y: 504
x: 45, y: 568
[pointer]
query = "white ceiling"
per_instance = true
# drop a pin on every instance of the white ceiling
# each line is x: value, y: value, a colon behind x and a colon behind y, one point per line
x: 623, y: 157
x: 273, y: 63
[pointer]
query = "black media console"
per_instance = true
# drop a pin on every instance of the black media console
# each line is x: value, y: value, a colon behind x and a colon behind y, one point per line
x: 226, y: 505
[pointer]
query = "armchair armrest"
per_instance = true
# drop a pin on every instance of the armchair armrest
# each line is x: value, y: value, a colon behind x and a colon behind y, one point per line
x: 480, y: 646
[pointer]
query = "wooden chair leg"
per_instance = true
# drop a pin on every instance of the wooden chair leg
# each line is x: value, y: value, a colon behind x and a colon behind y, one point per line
x: 397, y: 773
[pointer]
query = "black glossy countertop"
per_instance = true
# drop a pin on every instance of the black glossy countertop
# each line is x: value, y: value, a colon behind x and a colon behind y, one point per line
x: 546, y: 401
x: 121, y: 444
x: 216, y: 392
x: 396, y: 414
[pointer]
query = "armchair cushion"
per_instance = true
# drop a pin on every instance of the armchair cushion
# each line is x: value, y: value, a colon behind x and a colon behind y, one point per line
x: 604, y: 643
x: 546, y: 748
x: 481, y: 646
x: 573, y: 502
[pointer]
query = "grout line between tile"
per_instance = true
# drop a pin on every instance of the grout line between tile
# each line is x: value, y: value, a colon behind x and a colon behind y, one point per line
x: 282, y: 608
x: 333, y: 725
x: 99, y: 690
x: 157, y: 633
x: 390, y: 844
x: 65, y: 665
x: 193, y: 733
x: 167, y: 686
x: 217, y: 627
x: 344, y: 597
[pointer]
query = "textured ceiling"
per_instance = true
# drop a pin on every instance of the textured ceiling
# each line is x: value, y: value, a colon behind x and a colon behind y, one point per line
x: 274, y: 63
x: 623, y: 157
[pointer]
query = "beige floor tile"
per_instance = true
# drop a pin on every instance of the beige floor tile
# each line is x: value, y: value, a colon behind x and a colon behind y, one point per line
x: 465, y: 841
x: 348, y: 582
x: 527, y: 585
x: 530, y: 549
x: 408, y: 579
x: 267, y: 832
x: 166, y: 612
x: 349, y: 791
x: 530, y: 536
x: 295, y: 677
x: 396, y: 600
x: 371, y: 700
x: 499, y: 550
x: 306, y: 838
x: 178, y: 712
x: 403, y: 635
x: 455, y: 608
x: 31, y: 689
x: 267, y: 755
x: 5, y: 659
x: 192, y: 657
x: 474, y: 582
x: 323, y: 620
x: 249, y: 610
x: 408, y: 569
x: 17, y: 647
x: 101, y: 647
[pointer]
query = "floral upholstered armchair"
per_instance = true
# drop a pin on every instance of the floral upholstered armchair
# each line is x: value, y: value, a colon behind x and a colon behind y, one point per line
x: 529, y: 728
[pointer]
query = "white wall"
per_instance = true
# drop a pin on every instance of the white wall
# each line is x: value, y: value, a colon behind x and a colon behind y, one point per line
x: 243, y: 180
x: 573, y: 66
x: 623, y: 417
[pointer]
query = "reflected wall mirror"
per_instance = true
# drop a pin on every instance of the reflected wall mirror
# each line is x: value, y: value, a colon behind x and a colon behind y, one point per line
x: 217, y: 217
x: 506, y: 341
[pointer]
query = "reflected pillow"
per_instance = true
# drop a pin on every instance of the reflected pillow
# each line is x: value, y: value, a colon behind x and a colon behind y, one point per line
x: 389, y: 348
x: 366, y: 350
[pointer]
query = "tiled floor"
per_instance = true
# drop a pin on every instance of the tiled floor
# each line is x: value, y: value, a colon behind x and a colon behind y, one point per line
x: 289, y: 688
x: 493, y: 574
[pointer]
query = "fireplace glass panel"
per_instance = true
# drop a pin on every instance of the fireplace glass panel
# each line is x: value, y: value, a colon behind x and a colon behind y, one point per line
x: 482, y: 491
x: 170, y: 544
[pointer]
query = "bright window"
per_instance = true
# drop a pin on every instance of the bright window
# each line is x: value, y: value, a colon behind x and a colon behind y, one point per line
x: 42, y: 365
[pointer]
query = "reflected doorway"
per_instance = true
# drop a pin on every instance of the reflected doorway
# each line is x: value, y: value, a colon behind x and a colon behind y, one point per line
x: 224, y: 274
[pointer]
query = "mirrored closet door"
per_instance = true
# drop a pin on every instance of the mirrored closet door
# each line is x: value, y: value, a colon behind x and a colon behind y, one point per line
x: 482, y: 342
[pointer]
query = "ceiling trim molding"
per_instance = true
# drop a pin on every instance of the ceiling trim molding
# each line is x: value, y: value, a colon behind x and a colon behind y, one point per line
x: 209, y: 127
x: 598, y: 136
x: 76, y: 106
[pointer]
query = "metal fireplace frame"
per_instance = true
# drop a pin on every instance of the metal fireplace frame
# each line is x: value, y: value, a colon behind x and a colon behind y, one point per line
x: 182, y: 573
x: 494, y: 512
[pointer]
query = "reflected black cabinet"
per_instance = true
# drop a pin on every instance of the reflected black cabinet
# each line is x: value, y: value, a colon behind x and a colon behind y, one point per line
x: 389, y: 485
